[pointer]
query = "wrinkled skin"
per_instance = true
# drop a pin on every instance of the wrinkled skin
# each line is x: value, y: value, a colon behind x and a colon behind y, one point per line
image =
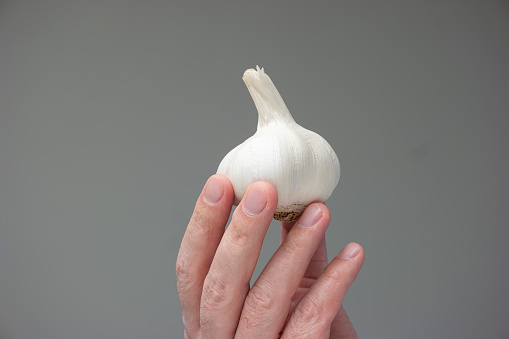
x: 298, y: 294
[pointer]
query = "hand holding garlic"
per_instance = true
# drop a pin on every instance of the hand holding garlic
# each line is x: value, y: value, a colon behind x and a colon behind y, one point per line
x: 300, y: 164
x: 297, y: 295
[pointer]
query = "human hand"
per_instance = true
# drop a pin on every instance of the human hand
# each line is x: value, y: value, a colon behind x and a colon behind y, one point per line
x: 298, y: 294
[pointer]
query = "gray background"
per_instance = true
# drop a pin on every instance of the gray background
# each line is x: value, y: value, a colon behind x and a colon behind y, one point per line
x: 114, y: 113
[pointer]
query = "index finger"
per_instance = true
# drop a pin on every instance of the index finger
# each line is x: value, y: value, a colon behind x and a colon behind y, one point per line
x: 199, y: 244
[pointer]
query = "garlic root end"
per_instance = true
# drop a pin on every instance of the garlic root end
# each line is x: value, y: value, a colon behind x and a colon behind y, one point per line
x: 290, y: 213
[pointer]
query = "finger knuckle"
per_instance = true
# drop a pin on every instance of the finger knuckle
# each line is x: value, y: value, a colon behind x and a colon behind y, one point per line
x: 293, y: 246
x: 307, y: 312
x: 200, y: 223
x: 257, y: 305
x: 239, y: 236
x: 214, y: 293
x: 339, y: 274
x: 259, y: 300
x: 185, y: 276
x: 311, y: 319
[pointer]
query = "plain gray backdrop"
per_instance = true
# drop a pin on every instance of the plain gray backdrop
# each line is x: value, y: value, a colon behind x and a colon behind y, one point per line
x: 113, y: 114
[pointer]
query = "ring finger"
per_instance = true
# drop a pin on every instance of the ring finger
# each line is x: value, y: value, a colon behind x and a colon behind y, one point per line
x: 268, y: 302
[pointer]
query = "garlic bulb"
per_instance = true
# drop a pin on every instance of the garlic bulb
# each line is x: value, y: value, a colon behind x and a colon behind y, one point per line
x: 299, y: 163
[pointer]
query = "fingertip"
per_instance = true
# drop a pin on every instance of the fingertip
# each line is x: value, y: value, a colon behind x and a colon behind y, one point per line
x: 314, y: 214
x: 224, y: 179
x: 227, y: 185
x: 351, y: 251
x: 269, y: 191
x: 217, y: 188
x: 325, y: 210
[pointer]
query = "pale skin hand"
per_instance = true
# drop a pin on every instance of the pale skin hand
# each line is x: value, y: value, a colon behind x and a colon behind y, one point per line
x: 298, y: 294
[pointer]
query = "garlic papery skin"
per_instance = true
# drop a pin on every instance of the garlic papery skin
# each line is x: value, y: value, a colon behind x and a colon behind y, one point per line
x: 299, y: 163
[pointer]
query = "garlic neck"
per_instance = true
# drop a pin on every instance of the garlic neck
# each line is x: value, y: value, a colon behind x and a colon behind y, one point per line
x: 268, y: 101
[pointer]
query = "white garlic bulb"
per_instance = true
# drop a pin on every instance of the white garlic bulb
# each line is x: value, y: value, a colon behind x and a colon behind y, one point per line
x: 299, y: 163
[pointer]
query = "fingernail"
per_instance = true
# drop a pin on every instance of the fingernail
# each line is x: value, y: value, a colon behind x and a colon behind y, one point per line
x: 310, y: 217
x: 214, y: 191
x: 350, y: 251
x: 255, y: 201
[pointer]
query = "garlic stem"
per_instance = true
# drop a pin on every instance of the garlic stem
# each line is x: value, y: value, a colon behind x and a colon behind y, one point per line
x: 269, y: 103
